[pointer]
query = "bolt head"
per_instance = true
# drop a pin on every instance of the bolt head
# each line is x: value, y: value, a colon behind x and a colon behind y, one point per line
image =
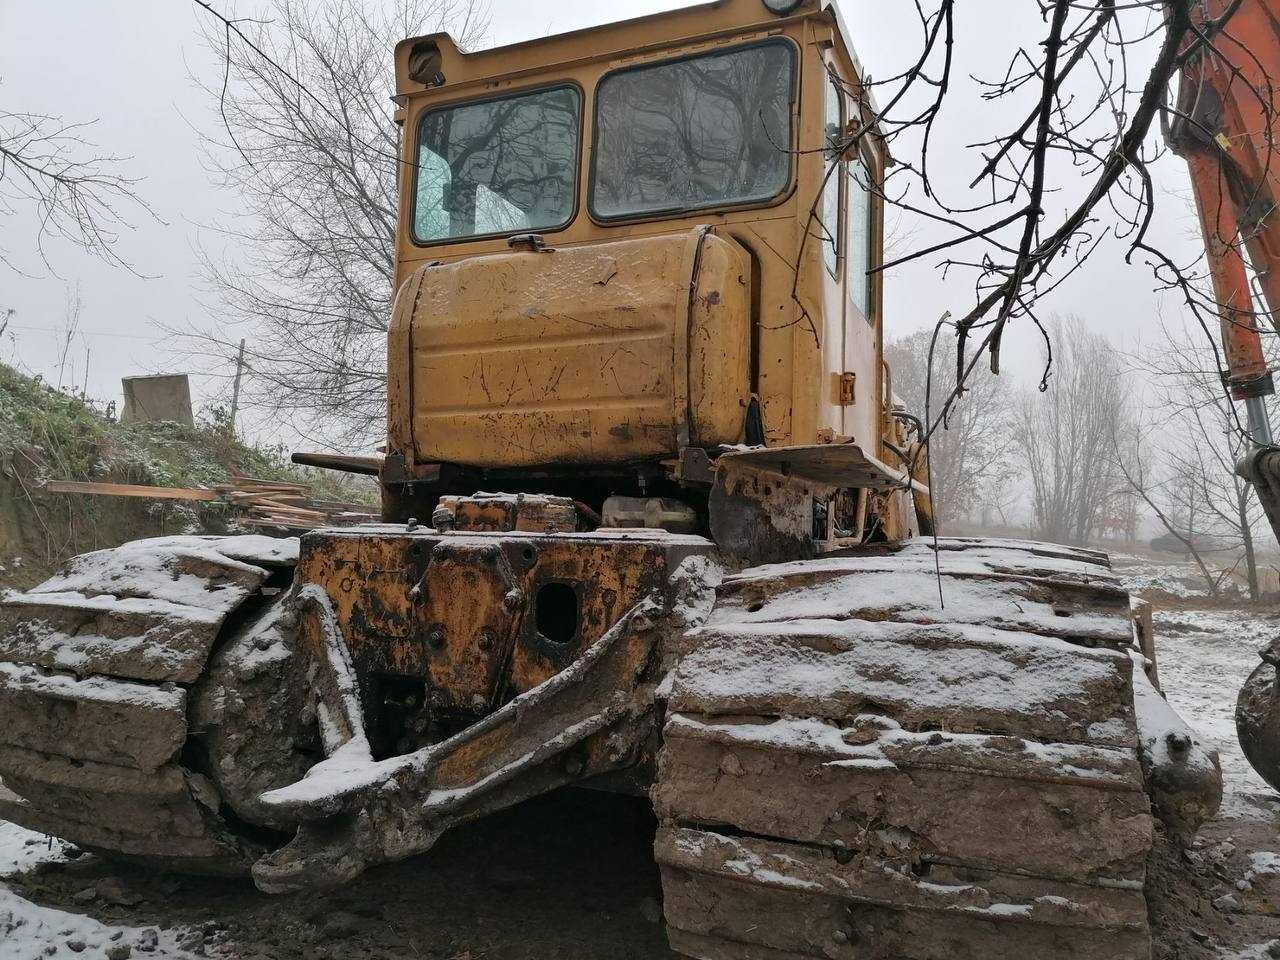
x: 1178, y: 742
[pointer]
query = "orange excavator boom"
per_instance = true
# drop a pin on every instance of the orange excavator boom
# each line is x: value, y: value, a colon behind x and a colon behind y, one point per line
x: 1225, y: 126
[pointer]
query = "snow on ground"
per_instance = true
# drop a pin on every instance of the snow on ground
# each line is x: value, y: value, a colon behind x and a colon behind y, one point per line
x: 1264, y: 863
x: 31, y: 932
x: 20, y: 849
x: 1204, y: 657
x: 1259, y: 951
x: 1169, y: 578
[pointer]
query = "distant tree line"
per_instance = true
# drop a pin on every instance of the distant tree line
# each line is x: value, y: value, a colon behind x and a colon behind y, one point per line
x: 1113, y: 437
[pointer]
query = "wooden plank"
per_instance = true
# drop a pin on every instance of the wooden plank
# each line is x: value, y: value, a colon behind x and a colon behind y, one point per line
x: 274, y: 506
x: 291, y: 523
x: 129, y: 490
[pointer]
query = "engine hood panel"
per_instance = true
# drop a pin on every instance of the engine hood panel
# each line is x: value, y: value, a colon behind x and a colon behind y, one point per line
x: 592, y: 354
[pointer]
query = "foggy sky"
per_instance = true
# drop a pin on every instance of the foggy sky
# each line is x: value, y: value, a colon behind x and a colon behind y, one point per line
x: 128, y: 64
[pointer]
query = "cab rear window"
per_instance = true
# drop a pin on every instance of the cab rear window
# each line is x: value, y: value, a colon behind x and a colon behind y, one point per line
x: 706, y: 131
x: 507, y: 165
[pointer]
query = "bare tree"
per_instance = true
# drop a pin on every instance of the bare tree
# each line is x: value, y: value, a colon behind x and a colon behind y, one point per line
x: 312, y: 152
x: 1064, y: 434
x: 1171, y: 499
x: 1063, y: 172
x: 76, y: 191
x: 1195, y: 491
x: 70, y: 328
x: 969, y: 457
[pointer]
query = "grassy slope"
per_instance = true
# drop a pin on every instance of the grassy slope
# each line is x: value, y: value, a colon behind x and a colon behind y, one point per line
x: 48, y: 434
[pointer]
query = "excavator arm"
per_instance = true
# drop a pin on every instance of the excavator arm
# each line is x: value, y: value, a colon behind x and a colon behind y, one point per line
x: 1225, y: 126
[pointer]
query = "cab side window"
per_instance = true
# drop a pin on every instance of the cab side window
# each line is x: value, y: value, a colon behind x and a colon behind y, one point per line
x: 858, y: 229
x: 833, y: 125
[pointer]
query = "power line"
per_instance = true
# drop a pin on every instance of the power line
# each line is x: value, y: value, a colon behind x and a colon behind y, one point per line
x: 61, y: 334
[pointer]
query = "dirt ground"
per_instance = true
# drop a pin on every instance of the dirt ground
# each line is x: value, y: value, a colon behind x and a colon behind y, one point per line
x: 572, y: 876
x: 566, y: 876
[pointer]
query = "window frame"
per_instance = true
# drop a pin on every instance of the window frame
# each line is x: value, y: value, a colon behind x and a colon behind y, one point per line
x: 678, y: 212
x: 868, y: 160
x: 561, y: 84
x: 837, y: 242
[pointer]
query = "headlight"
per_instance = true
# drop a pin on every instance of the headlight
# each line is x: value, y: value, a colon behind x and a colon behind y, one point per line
x: 782, y: 7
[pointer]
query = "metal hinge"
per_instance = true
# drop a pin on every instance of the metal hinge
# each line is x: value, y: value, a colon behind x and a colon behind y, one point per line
x: 845, y: 388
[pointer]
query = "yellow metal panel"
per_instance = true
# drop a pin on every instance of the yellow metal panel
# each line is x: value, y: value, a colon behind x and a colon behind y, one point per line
x: 720, y: 343
x: 576, y: 355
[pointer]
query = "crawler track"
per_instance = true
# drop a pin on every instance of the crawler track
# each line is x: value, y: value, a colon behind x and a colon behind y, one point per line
x: 850, y: 770
x: 101, y: 667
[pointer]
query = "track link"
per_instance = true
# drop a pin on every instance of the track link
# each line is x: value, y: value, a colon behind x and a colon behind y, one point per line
x: 98, y: 667
x: 850, y: 769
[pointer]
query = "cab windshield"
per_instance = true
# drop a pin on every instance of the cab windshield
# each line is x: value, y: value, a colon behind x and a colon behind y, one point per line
x: 500, y: 166
x: 705, y: 131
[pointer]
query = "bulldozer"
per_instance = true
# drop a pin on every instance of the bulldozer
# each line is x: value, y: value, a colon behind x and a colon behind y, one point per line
x: 652, y: 522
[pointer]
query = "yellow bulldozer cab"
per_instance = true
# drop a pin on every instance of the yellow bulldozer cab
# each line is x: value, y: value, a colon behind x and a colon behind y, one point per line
x: 623, y: 242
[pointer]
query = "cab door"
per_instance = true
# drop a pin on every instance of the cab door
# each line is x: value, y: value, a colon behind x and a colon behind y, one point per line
x: 831, y: 234
x: 862, y: 328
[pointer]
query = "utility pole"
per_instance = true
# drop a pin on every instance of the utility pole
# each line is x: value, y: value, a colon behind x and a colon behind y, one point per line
x: 235, y: 390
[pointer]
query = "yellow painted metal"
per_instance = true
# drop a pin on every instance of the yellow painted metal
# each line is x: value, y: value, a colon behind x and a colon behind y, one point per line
x: 804, y: 331
x: 593, y: 354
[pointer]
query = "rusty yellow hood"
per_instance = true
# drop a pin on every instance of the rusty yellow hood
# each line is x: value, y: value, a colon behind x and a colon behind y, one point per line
x: 590, y: 354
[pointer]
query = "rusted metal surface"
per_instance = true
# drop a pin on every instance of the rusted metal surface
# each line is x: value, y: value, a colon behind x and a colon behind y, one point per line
x: 759, y: 516
x: 589, y: 718
x: 502, y: 512
x: 479, y: 618
x: 844, y: 464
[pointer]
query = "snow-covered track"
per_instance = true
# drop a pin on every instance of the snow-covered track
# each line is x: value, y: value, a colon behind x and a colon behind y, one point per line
x: 99, y: 670
x: 851, y: 769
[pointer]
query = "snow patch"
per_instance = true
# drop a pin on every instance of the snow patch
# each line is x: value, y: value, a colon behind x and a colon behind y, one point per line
x: 1204, y: 657
x: 1258, y: 951
x: 21, y: 849
x: 1264, y: 863
x: 28, y: 930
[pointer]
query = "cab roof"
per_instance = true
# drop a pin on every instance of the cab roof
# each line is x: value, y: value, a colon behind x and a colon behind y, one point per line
x: 624, y: 39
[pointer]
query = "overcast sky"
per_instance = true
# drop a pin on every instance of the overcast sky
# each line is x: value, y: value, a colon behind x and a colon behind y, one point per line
x: 128, y: 64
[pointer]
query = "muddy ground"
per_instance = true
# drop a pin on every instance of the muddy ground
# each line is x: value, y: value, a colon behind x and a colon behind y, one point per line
x: 566, y: 876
